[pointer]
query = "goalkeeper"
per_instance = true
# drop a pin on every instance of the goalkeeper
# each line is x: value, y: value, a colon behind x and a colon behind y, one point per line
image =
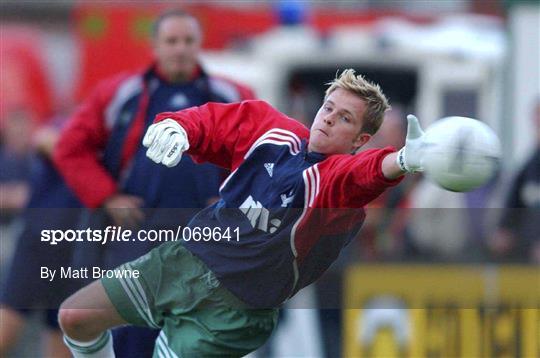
x: 294, y: 195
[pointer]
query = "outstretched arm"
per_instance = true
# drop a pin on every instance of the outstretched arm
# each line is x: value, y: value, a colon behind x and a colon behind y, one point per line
x: 214, y: 132
x: 217, y: 133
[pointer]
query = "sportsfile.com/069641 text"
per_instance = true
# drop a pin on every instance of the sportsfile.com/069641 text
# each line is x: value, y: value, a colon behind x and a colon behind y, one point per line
x: 119, y: 234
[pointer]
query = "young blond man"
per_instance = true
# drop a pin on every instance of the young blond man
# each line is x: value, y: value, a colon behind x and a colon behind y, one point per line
x: 293, y: 200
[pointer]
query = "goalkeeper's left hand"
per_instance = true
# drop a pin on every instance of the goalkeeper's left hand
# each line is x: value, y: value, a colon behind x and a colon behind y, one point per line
x: 166, y: 141
x: 410, y: 157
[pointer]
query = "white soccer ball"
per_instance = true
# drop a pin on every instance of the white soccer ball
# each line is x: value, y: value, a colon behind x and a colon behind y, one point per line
x: 461, y: 153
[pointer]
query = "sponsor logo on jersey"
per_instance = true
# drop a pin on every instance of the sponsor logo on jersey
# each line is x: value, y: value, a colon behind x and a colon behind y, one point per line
x: 259, y: 216
x: 179, y: 101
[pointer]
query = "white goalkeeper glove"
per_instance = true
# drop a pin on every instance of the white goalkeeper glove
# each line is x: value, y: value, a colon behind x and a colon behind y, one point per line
x: 410, y: 157
x: 166, y: 141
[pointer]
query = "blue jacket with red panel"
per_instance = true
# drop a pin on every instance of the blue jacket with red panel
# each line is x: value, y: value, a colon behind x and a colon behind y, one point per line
x: 100, y: 151
x: 289, y: 211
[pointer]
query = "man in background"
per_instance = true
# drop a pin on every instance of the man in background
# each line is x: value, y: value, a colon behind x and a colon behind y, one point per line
x: 102, y: 159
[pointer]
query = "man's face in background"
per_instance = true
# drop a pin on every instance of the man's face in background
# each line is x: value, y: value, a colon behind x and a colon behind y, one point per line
x: 177, y: 44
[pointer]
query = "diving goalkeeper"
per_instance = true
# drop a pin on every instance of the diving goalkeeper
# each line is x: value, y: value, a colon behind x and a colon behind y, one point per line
x: 294, y: 195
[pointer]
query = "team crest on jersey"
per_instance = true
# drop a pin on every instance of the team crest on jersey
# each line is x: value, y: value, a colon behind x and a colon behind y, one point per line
x: 269, y: 168
x: 258, y: 215
x: 179, y: 101
x: 286, y: 199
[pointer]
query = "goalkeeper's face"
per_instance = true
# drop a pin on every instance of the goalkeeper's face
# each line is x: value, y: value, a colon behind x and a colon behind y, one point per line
x: 177, y: 45
x: 337, y: 126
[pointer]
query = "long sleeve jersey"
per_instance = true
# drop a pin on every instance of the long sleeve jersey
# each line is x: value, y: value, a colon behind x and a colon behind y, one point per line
x: 293, y: 210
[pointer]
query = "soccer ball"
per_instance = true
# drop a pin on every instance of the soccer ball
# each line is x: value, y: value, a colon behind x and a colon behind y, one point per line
x: 461, y: 153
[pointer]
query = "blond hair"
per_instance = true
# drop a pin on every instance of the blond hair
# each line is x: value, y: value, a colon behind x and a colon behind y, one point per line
x: 370, y: 93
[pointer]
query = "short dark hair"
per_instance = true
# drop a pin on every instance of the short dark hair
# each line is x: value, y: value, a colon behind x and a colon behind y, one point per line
x: 171, y: 13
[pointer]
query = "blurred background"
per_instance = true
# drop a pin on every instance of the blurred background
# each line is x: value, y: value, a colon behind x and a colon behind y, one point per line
x: 433, y: 273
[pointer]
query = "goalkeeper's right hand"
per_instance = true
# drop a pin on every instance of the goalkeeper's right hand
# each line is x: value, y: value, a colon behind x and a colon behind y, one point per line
x: 166, y: 141
x: 410, y: 157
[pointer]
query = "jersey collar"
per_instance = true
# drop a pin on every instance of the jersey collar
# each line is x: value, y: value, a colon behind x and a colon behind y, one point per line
x: 311, y: 157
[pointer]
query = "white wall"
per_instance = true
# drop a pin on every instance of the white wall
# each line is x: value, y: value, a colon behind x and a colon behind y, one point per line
x: 524, y: 77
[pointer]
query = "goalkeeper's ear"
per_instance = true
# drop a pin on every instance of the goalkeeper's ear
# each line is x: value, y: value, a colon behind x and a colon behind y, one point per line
x: 360, y: 140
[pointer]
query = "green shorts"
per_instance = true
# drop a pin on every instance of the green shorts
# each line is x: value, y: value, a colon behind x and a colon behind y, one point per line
x: 177, y: 293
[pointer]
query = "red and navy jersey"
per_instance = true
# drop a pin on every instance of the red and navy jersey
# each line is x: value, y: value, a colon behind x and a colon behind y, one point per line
x: 295, y: 210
